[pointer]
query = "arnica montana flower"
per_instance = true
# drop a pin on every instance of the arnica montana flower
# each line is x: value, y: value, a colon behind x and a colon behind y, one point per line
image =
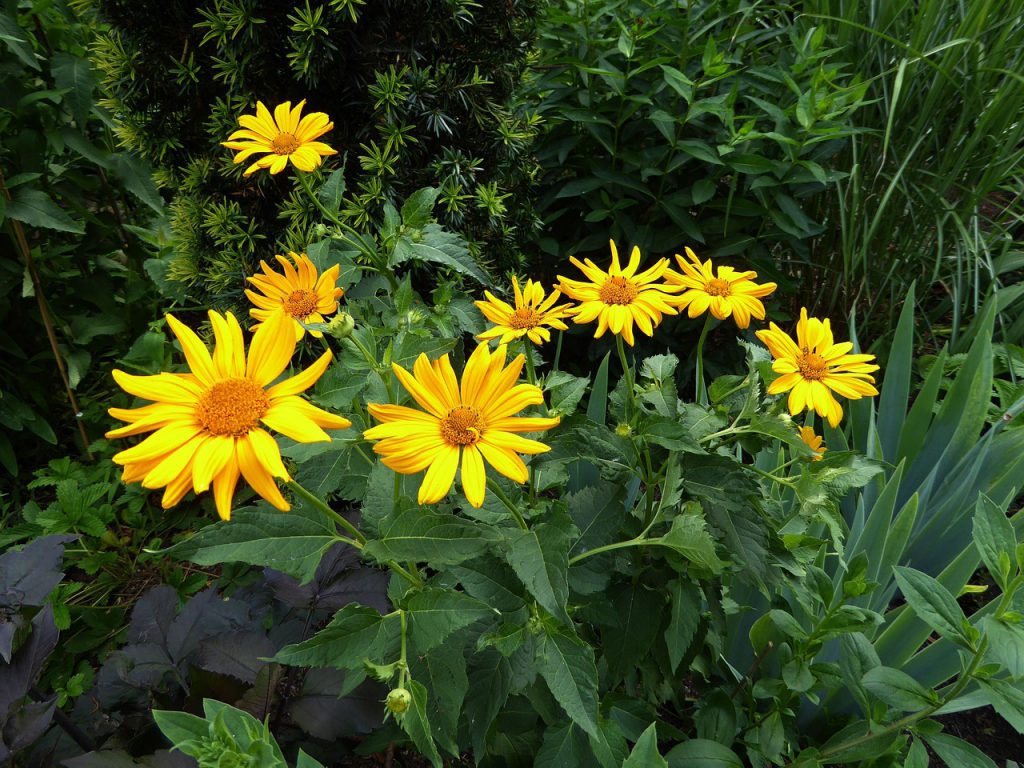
x: 281, y: 137
x: 813, y: 441
x: 726, y: 293
x: 814, y: 366
x: 529, y: 316
x: 618, y: 298
x: 304, y: 295
x: 471, y: 420
x: 206, y: 424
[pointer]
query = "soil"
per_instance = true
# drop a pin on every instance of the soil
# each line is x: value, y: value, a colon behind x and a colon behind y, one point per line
x: 987, y: 731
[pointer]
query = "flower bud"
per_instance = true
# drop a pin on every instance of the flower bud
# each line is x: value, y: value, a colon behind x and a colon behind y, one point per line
x: 398, y: 700
x: 341, y: 325
x: 623, y: 430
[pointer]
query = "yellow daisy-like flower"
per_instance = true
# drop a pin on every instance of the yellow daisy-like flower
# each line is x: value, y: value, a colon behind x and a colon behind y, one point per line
x: 727, y: 293
x: 620, y: 297
x: 281, y: 137
x: 206, y: 424
x: 813, y: 441
x: 471, y: 420
x: 814, y: 366
x: 531, y: 313
x: 304, y: 295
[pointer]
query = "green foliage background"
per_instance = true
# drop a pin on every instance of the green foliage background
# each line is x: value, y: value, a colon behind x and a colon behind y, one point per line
x: 419, y: 95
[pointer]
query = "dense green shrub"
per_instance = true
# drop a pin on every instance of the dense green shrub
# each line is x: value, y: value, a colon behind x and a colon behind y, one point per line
x: 419, y: 94
x: 707, y: 126
x: 71, y: 277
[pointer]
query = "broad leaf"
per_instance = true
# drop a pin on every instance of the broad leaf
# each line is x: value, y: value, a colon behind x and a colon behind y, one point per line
x: 567, y: 665
x: 293, y: 543
x: 416, y: 535
x: 435, y: 613
x: 354, y: 634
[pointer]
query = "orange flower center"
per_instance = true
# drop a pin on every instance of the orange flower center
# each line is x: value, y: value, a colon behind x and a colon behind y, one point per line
x: 812, y: 366
x: 232, y: 407
x: 716, y: 286
x: 461, y: 426
x: 300, y: 303
x: 284, y: 144
x: 523, y: 318
x: 618, y: 290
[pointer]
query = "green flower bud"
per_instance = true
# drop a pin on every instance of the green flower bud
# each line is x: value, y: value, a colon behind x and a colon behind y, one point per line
x: 398, y: 701
x: 623, y: 430
x: 341, y: 325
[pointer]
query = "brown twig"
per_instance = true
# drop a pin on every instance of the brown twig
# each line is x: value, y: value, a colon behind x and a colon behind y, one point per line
x: 44, y: 311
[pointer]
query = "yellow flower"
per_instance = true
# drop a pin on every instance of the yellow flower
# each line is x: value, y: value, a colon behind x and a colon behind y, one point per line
x: 814, y: 366
x: 302, y: 294
x: 531, y: 313
x: 206, y: 424
x: 473, y: 420
x: 813, y: 442
x: 280, y: 137
x: 727, y: 293
x: 620, y: 297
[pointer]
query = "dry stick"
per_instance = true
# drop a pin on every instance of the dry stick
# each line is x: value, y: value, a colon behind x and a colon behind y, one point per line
x: 44, y: 311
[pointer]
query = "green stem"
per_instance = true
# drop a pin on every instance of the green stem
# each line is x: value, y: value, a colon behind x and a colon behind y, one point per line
x: 637, y: 542
x: 374, y: 366
x: 331, y: 217
x: 770, y: 476
x: 558, y: 351
x: 531, y: 372
x: 627, y: 371
x: 319, y: 504
x: 496, y: 490
x: 702, y: 393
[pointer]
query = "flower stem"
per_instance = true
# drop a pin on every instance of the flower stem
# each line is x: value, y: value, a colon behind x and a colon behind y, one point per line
x: 702, y: 392
x: 627, y: 371
x: 331, y: 217
x: 558, y: 350
x: 637, y: 542
x: 496, y: 490
x: 322, y: 506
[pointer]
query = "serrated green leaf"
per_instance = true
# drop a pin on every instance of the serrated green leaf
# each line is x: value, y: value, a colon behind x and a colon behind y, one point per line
x: 435, y: 613
x: 74, y: 75
x: 416, y: 211
x: 35, y: 208
x: 356, y: 632
x: 567, y: 665
x: 684, y: 619
x: 540, y: 558
x: 564, y: 744
x: 417, y: 535
x: 137, y: 178
x: 416, y: 723
x: 293, y: 543
x: 689, y: 537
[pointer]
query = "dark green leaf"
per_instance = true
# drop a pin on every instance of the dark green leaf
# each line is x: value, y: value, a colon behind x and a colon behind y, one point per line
x: 540, y: 558
x: 354, y: 634
x: 292, y: 543
x: 35, y: 208
x: 567, y: 665
x: 933, y: 604
x: 957, y: 752
x: 435, y: 613
x: 645, y: 752
x: 701, y: 753
x: 417, y: 535
x: 897, y: 689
